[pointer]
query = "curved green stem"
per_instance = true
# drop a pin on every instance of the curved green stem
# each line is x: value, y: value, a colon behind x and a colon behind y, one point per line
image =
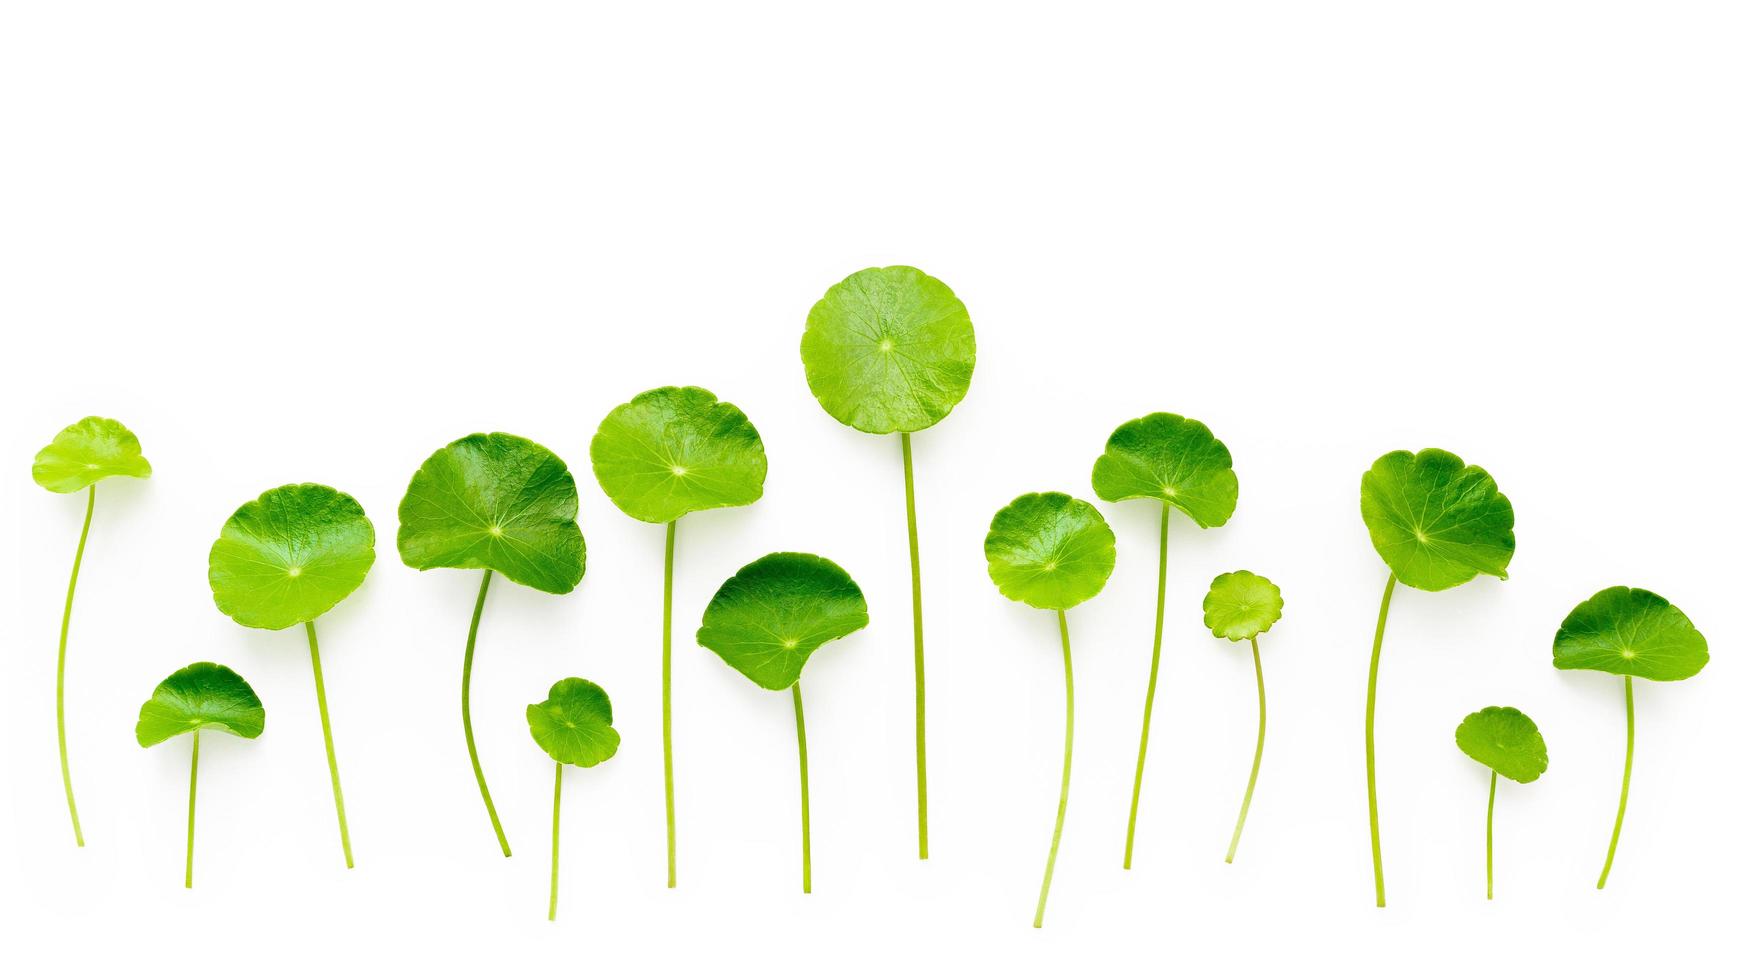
x: 466, y: 711
x: 1381, y: 624
x: 1624, y: 794
x: 1259, y: 744
x: 556, y: 823
x: 1490, y: 810
x: 920, y: 668
x: 193, y: 783
x: 1065, y: 776
x: 61, y: 666
x: 1150, y: 687
x: 666, y: 710
x: 327, y: 737
x: 805, y: 797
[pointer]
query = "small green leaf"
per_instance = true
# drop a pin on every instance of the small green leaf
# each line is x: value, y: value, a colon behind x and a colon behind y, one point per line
x: 671, y: 451
x: 889, y: 350
x: 574, y: 723
x: 1174, y: 459
x: 1505, y: 740
x: 1630, y: 631
x: 290, y: 555
x: 1437, y: 522
x: 89, y: 450
x: 202, y: 695
x: 1242, y: 605
x: 1049, y: 550
x: 767, y: 619
x: 499, y: 502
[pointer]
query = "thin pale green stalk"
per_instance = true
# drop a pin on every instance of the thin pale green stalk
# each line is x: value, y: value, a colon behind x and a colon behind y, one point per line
x: 193, y: 784
x: 556, y: 823
x: 1490, y: 810
x: 327, y: 737
x: 1259, y: 745
x: 61, y: 666
x: 466, y: 711
x: 920, y: 668
x: 1381, y: 624
x: 1150, y: 687
x: 1624, y: 794
x: 805, y: 797
x: 666, y: 709
x: 1065, y: 777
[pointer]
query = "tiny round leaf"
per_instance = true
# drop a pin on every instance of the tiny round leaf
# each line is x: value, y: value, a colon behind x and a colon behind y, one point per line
x: 290, y: 555
x: 89, y: 450
x: 1174, y: 459
x: 1242, y: 605
x: 1630, y: 631
x: 574, y: 723
x: 202, y: 695
x: 767, y: 619
x: 1049, y: 550
x: 1437, y: 522
x: 671, y: 451
x: 1505, y: 740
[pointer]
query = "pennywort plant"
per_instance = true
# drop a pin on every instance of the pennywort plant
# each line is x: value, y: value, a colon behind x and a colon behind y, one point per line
x: 1437, y: 523
x: 285, y: 558
x: 664, y: 454
x: 1051, y: 551
x: 82, y: 454
x: 199, y: 696
x: 502, y: 504
x: 1633, y: 633
x: 1178, y: 462
x: 574, y: 726
x: 1508, y: 743
x: 892, y: 350
x: 766, y: 621
x: 1240, y: 606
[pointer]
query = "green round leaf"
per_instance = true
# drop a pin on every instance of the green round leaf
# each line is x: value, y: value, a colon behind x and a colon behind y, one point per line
x: 87, y: 451
x: 671, y: 451
x: 574, y: 723
x: 1436, y: 521
x: 499, y: 502
x: 290, y: 555
x: 1630, y: 631
x: 1242, y: 605
x: 202, y: 695
x: 767, y: 619
x: 889, y: 350
x: 1049, y: 550
x: 1174, y: 459
x: 1505, y: 740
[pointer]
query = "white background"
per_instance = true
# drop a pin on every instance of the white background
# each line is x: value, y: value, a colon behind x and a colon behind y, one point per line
x: 318, y: 241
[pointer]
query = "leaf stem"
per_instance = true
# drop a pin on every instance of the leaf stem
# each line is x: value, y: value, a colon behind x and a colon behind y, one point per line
x: 556, y: 823
x: 1490, y: 810
x: 1259, y: 744
x: 1150, y: 687
x: 193, y: 783
x: 466, y: 711
x: 1065, y: 775
x: 327, y: 737
x: 666, y: 709
x: 1381, y: 624
x: 805, y: 797
x: 61, y: 666
x: 1624, y: 794
x: 920, y: 669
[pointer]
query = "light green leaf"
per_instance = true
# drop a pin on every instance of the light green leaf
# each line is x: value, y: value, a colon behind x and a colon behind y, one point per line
x: 290, y: 555
x: 1049, y: 550
x: 1242, y: 605
x: 574, y: 723
x: 89, y: 450
x: 889, y: 350
x: 202, y: 695
x: 767, y: 619
x: 1174, y: 459
x: 1437, y: 522
x: 1630, y: 631
x: 1505, y: 740
x: 671, y: 451
x: 499, y: 502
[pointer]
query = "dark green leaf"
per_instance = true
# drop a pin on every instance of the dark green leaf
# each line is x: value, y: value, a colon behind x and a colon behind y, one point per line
x: 1437, y: 522
x: 767, y: 619
x: 1630, y: 631
x: 202, y: 695
x: 1174, y: 459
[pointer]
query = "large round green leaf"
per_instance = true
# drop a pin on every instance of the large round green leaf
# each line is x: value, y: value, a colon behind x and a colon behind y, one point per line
x: 1630, y: 631
x: 290, y: 555
x: 1174, y: 459
x: 1049, y: 550
x: 1437, y: 522
x: 202, y: 695
x: 889, y: 350
x: 1242, y: 605
x: 499, y: 502
x: 89, y: 450
x: 1505, y: 740
x: 574, y: 723
x: 671, y: 451
x: 767, y: 619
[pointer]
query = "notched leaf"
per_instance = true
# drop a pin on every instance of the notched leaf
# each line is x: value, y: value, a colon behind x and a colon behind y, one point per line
x: 574, y: 723
x: 290, y: 555
x: 767, y: 620
x: 1621, y: 630
x: 1505, y: 740
x: 1241, y: 605
x: 89, y: 450
x: 671, y: 451
x: 1173, y: 459
x: 202, y: 695
x: 1437, y: 522
x: 1049, y: 550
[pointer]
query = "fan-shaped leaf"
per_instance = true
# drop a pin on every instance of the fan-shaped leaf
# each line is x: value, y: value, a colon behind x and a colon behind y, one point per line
x: 290, y: 555
x: 202, y: 695
x: 1242, y: 605
x: 1049, y: 550
x: 767, y: 619
x: 671, y: 451
x: 1437, y: 522
x: 574, y: 723
x: 1630, y: 631
x: 1174, y: 459
x: 89, y: 450
x: 1505, y: 740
